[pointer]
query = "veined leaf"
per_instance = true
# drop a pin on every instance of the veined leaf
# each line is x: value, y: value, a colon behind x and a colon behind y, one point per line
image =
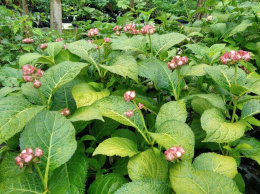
x: 117, y: 146
x: 15, y: 112
x: 28, y: 58
x: 240, y: 28
x: 162, y: 43
x: 53, y: 48
x: 107, y: 184
x: 255, y: 87
x: 148, y: 165
x: 9, y: 76
x: 197, y: 181
x: 251, y: 107
x: 218, y: 129
x: 145, y: 187
x: 123, y: 65
x: 224, y: 165
x: 254, y: 151
x: 7, y: 90
x: 175, y: 133
x: 197, y: 70
x: 175, y: 110
x: 54, y: 134
x: 22, y: 184
x: 85, y: 95
x: 65, y: 55
x: 86, y: 113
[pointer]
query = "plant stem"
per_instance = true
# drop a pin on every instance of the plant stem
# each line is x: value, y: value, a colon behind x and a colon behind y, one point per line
x: 236, y: 73
x: 40, y: 174
x: 234, y: 110
x: 40, y: 94
x: 188, y: 15
x: 179, y: 84
x: 151, y: 46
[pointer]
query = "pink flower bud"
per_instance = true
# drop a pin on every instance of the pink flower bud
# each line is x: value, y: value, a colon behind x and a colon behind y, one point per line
x: 65, y: 47
x: 38, y: 152
x: 91, y: 41
x: 107, y: 40
x: 59, y: 39
x: 25, y: 68
x: 93, y: 32
x: 129, y: 113
x: 118, y: 33
x: 140, y: 105
x: 43, y: 46
x: 117, y: 28
x: 37, y: 84
x: 129, y: 95
x: 169, y: 155
x: 29, y: 151
x: 65, y: 112
x: 125, y: 29
x: 27, y: 78
x: 174, y: 153
x: 40, y: 72
x: 28, y: 158
x: 31, y: 69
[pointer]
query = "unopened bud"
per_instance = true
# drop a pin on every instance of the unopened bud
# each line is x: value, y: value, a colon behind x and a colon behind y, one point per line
x: 107, y: 40
x: 38, y: 152
x: 43, y: 46
x: 37, y: 84
x: 129, y: 95
x: 129, y: 113
x: 65, y: 112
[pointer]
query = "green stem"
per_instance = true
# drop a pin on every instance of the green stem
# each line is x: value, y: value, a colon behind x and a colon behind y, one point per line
x: 236, y: 73
x: 234, y: 110
x: 40, y: 94
x: 179, y: 84
x: 224, y: 5
x: 188, y: 15
x: 151, y: 46
x: 40, y: 174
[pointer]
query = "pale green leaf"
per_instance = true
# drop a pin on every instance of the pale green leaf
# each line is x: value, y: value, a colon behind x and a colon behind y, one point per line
x: 7, y: 90
x: 15, y: 112
x: 86, y: 113
x: 28, y: 58
x: 254, y: 151
x: 197, y: 70
x: 54, y: 134
x: 125, y: 133
x: 53, y: 48
x: 218, y: 129
x: 251, y: 107
x: 240, y: 28
x: 224, y: 165
x: 65, y: 55
x: 117, y: 146
x: 148, y: 165
x: 10, y: 76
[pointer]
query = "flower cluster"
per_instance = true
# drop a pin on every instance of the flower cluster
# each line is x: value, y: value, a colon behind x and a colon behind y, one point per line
x: 209, y: 18
x: 43, y: 46
x: 174, y: 153
x: 32, y: 74
x: 93, y: 32
x: 177, y: 61
x: 28, y: 40
x: 27, y: 155
x: 234, y: 56
x: 59, y: 39
x: 65, y: 112
x: 147, y: 29
x: 107, y: 40
x: 130, y: 28
x: 117, y: 28
x: 128, y: 96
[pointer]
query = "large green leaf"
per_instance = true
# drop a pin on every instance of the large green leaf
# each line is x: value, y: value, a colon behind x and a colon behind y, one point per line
x: 28, y: 58
x: 85, y: 95
x: 145, y: 187
x: 148, y: 165
x: 254, y: 152
x: 65, y: 55
x: 22, y: 184
x: 123, y: 65
x: 197, y: 70
x: 117, y: 146
x: 86, y: 113
x: 175, y: 110
x: 185, y: 179
x: 218, y: 129
x: 10, y: 76
x: 255, y: 87
x: 53, y: 48
x: 175, y: 133
x: 162, y: 43
x: 54, y: 134
x: 202, y: 102
x: 240, y: 28
x: 15, y: 112
x: 224, y: 165
x: 70, y: 177
x: 252, y: 107
x: 107, y: 184
x: 7, y: 90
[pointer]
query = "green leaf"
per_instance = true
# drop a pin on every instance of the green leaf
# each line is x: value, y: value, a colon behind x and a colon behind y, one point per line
x: 117, y: 146
x: 202, y: 102
x: 10, y: 76
x: 70, y: 177
x: 251, y: 107
x: 85, y: 95
x: 15, y: 112
x: 54, y: 48
x: 255, y: 87
x: 197, y: 70
x: 28, y: 58
x: 240, y: 28
x: 175, y: 133
x: 240, y: 182
x: 175, y: 110
x: 125, y: 133
x: 224, y: 165
x: 145, y: 187
x: 120, y: 166
x: 185, y: 179
x: 197, y: 49
x: 7, y: 90
x: 238, y: 89
x: 254, y: 151
x: 86, y: 113
x: 162, y: 43
x: 218, y: 129
x: 107, y: 184
x: 123, y: 65
x: 148, y: 165
x: 22, y: 184
x: 54, y: 134
x: 65, y: 55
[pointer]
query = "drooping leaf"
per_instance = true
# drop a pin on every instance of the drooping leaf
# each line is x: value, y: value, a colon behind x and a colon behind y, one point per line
x: 175, y: 110
x: 252, y: 107
x: 86, y: 113
x: 123, y: 65
x: 15, y: 112
x: 85, y: 95
x: 175, y: 133
x: 148, y: 165
x: 54, y: 134
x: 145, y: 187
x: 218, y: 129
x: 117, y: 146
x: 197, y: 181
x: 107, y: 184
x: 224, y: 165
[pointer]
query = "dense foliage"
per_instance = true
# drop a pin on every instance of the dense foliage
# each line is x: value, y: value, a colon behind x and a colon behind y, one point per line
x: 145, y: 104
